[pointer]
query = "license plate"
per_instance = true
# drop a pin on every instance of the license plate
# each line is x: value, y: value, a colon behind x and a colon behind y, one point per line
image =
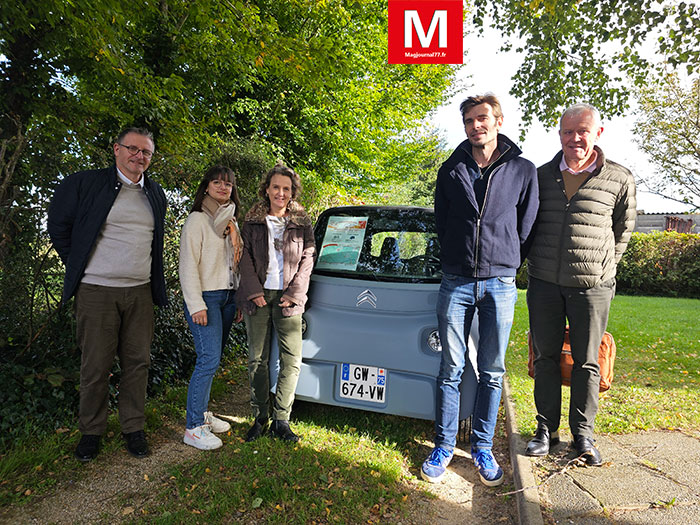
x: 366, y: 383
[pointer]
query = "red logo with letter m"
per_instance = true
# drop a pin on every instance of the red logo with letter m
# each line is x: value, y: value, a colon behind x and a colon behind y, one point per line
x: 425, y: 32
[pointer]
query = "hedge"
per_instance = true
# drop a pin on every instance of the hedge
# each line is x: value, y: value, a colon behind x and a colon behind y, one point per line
x: 657, y: 263
x: 661, y: 263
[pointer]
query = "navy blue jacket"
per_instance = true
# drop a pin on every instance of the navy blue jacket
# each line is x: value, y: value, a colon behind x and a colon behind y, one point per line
x: 491, y: 241
x: 77, y: 212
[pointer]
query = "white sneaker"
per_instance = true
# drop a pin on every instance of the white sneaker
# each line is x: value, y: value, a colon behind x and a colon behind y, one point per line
x: 201, y: 438
x: 217, y: 425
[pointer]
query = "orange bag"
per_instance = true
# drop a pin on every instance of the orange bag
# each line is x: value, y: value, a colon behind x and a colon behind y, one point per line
x: 606, y: 360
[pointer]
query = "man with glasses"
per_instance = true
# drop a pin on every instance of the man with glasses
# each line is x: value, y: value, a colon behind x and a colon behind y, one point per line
x: 107, y: 227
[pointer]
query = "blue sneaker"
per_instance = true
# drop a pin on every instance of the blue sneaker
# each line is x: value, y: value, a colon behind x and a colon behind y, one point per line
x: 434, y: 467
x: 490, y: 473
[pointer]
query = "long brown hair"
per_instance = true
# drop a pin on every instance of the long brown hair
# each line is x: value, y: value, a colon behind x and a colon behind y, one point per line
x: 279, y: 169
x: 217, y: 172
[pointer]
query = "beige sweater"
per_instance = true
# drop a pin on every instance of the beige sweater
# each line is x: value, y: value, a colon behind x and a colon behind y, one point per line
x: 122, y: 254
x: 204, y: 264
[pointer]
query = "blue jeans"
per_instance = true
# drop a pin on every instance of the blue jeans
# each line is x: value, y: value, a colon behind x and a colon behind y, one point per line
x: 209, y: 342
x: 458, y: 299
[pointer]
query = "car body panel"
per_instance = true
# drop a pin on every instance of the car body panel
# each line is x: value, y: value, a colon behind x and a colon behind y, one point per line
x: 379, y: 319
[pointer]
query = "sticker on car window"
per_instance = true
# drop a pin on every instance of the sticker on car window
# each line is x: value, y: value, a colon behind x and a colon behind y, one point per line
x: 342, y: 243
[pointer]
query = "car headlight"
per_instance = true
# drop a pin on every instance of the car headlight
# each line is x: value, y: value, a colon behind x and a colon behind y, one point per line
x: 434, y: 341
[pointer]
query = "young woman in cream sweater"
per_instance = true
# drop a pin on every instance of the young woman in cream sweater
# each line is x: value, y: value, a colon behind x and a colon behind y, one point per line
x: 210, y: 248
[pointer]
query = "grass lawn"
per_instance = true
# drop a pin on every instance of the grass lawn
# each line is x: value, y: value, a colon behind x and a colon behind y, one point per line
x: 657, y: 371
x: 351, y: 466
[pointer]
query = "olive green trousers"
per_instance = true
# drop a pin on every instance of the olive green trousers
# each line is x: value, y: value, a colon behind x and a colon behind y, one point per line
x: 288, y: 330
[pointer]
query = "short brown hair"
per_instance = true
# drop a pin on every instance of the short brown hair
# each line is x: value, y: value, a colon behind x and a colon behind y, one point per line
x: 279, y: 169
x: 488, y: 98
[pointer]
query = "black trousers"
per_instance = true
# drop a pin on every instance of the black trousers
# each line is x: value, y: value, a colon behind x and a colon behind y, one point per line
x: 586, y: 310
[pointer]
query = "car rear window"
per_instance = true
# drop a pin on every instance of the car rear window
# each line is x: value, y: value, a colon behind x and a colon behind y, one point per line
x: 379, y: 243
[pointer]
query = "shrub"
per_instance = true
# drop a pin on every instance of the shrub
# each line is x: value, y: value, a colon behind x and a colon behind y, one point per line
x: 521, y: 277
x: 661, y: 263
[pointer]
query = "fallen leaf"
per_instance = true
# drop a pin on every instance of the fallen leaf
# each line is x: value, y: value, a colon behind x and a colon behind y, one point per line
x: 256, y: 503
x: 127, y: 510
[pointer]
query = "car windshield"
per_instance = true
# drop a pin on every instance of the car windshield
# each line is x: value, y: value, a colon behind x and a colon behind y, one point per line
x: 379, y: 243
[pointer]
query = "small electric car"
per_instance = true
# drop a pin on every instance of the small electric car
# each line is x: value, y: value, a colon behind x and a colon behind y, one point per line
x: 370, y: 336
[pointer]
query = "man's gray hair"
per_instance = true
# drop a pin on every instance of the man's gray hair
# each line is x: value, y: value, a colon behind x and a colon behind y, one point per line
x: 579, y: 108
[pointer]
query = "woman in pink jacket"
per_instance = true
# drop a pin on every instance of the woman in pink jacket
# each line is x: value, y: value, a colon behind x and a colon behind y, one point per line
x: 278, y: 256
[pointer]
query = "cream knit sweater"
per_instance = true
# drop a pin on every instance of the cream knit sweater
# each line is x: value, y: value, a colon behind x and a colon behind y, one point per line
x: 204, y: 264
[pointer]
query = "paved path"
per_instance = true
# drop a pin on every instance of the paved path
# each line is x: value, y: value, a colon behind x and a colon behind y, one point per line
x: 647, y: 478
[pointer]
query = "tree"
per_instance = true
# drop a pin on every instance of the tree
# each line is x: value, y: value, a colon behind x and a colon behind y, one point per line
x: 243, y: 82
x: 590, y: 50
x: 668, y: 130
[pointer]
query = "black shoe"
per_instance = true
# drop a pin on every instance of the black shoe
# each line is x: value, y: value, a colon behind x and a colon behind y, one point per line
x: 87, y: 448
x: 136, y: 444
x: 539, y: 445
x: 280, y: 429
x: 257, y: 430
x: 586, y: 449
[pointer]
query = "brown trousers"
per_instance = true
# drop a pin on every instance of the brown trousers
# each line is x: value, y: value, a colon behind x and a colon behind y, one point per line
x: 113, y: 321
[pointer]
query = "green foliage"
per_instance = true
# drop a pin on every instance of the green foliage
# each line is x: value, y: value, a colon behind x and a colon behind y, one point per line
x: 38, y: 353
x: 661, y: 263
x: 521, y: 276
x: 589, y: 50
x: 668, y: 131
x: 238, y: 83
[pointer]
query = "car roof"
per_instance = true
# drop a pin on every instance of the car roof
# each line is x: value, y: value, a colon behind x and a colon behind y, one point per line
x: 378, y: 208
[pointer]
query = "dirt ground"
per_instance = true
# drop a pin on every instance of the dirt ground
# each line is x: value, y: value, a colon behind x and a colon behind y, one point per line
x: 115, y: 488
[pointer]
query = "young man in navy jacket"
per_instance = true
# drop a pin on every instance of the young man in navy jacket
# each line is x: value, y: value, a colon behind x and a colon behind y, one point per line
x: 486, y: 200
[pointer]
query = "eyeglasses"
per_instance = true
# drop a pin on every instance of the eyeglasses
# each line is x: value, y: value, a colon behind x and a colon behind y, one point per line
x: 219, y: 182
x: 133, y: 151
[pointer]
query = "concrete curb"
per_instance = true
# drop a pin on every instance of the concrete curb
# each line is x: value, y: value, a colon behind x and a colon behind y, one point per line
x: 528, y: 501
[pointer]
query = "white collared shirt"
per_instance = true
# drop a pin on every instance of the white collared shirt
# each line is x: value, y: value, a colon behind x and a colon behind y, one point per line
x: 126, y: 180
x: 590, y: 168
